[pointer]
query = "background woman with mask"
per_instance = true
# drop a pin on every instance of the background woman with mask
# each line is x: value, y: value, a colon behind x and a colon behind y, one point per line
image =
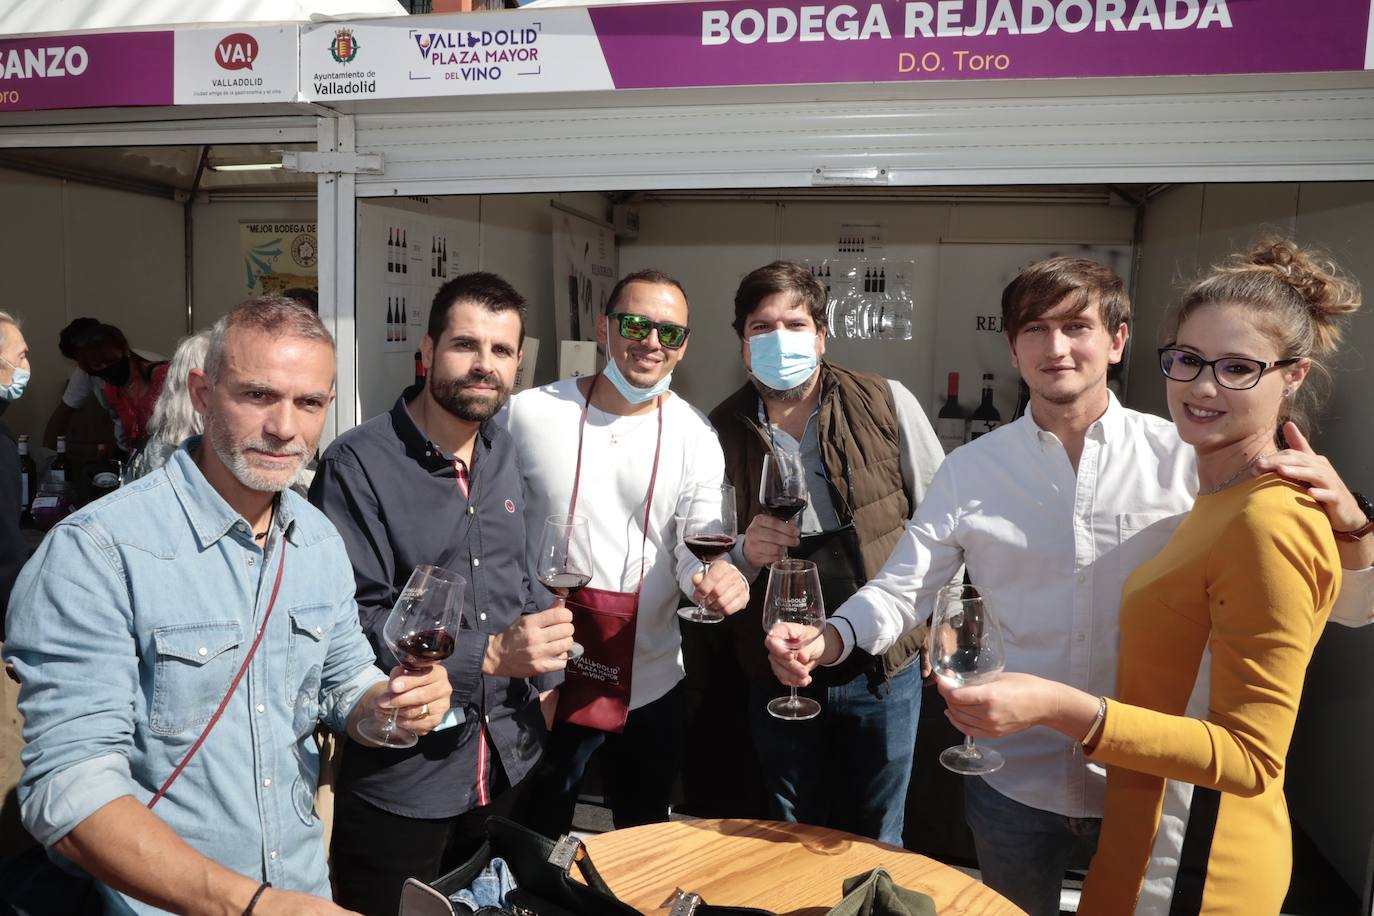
x: 1218, y: 628
x: 868, y: 452
x: 14, y: 377
x: 131, y: 382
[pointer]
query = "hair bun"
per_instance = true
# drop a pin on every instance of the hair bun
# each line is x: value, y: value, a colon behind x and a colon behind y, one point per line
x: 1328, y: 292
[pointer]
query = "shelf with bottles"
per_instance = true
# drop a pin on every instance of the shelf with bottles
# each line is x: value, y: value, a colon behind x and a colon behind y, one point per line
x: 867, y: 298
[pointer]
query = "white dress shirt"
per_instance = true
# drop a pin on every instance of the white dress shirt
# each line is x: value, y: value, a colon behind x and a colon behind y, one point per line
x: 1050, y: 551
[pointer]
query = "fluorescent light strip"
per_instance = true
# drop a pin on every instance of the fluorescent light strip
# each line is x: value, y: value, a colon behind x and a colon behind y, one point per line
x: 245, y: 167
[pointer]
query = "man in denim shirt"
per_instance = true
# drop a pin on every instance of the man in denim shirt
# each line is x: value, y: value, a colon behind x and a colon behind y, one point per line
x: 130, y: 622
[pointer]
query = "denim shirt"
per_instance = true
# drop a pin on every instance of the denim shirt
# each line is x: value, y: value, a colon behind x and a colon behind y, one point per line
x: 126, y: 629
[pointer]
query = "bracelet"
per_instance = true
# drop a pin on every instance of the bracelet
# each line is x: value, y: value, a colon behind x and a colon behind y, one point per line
x: 1097, y: 722
x: 257, y: 895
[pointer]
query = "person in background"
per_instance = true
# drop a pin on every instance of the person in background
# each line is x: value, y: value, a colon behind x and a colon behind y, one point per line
x: 867, y: 451
x: 82, y: 386
x: 128, y: 626
x: 436, y: 482
x: 632, y: 450
x: 14, y: 378
x: 174, y: 417
x: 1050, y: 514
x: 1218, y: 628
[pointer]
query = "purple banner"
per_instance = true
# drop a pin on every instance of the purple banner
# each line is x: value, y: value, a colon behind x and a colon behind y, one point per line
x: 86, y: 71
x: 748, y: 43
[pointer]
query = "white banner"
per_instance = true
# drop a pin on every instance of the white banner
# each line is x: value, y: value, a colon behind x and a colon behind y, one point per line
x: 218, y: 66
x: 466, y: 54
x: 584, y: 273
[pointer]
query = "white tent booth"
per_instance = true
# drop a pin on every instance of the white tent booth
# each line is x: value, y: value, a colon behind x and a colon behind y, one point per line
x: 706, y: 173
x: 672, y: 139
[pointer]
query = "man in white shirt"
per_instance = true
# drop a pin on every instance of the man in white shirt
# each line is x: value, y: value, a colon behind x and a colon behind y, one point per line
x: 620, y: 437
x: 1050, y: 514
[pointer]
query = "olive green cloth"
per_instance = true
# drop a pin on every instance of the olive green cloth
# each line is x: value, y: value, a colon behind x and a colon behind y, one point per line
x: 874, y: 894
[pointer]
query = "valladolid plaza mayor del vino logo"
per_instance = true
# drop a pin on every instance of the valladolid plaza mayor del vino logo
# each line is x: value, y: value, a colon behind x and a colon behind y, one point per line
x: 344, y: 47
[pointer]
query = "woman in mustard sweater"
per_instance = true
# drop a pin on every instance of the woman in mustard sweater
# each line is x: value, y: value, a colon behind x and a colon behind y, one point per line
x: 1218, y: 628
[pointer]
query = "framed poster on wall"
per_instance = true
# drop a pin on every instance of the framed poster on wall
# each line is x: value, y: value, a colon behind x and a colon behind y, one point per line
x: 584, y: 272
x: 278, y: 256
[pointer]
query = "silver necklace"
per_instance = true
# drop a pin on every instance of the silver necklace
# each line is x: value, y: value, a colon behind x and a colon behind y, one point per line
x: 1234, y: 477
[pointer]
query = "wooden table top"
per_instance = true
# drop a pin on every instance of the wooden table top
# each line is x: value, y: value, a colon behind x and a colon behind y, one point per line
x: 791, y: 869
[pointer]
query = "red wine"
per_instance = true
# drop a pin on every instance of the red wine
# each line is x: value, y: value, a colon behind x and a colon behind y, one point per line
x: 706, y: 547
x: 563, y: 583
x: 420, y: 650
x: 784, y: 507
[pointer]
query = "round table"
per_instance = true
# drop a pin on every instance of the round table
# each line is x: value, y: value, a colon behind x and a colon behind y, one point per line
x: 793, y: 869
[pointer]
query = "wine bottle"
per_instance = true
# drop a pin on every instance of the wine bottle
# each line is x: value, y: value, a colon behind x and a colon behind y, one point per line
x: 390, y: 250
x: 390, y: 321
x: 57, y: 471
x: 28, y: 477
x: 405, y: 254
x: 1022, y: 399
x: 985, y: 417
x: 433, y: 256
x: 949, y: 422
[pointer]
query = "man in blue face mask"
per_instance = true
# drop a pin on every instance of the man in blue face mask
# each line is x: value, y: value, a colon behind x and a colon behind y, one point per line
x: 621, y: 451
x: 14, y: 377
x: 865, y: 452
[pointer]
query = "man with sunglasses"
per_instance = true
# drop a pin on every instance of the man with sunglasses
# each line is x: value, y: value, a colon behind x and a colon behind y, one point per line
x: 619, y: 449
x: 1050, y: 514
x: 866, y: 451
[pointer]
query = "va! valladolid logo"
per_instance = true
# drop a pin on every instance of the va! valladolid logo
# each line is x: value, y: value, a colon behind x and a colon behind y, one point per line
x: 344, y: 47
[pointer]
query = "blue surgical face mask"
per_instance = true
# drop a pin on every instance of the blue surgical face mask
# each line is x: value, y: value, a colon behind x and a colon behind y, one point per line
x: 18, y: 383
x: 630, y: 392
x: 782, y: 360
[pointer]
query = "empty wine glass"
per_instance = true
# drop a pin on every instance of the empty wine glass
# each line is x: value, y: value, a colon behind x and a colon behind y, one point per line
x: 420, y: 630
x: 707, y: 516
x: 793, y: 615
x: 966, y: 649
x: 564, y: 563
x: 782, y: 486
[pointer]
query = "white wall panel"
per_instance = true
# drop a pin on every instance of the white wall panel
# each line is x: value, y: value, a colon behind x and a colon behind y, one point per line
x: 1258, y: 136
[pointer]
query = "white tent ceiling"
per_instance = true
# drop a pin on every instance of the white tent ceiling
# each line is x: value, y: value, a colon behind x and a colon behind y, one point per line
x: 32, y: 17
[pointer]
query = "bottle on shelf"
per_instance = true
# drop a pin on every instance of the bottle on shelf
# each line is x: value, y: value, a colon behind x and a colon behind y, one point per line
x: 433, y: 256
x: 57, y: 471
x: 390, y: 250
x: 985, y: 417
x: 390, y: 321
x: 28, y: 477
x: 1022, y: 399
x: 405, y: 254
x: 949, y: 422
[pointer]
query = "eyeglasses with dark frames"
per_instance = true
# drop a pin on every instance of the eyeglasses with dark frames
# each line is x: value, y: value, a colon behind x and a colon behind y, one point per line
x: 637, y: 327
x: 1235, y: 372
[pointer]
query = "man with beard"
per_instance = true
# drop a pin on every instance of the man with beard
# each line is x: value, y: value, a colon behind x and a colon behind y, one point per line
x: 435, y: 482
x: 866, y: 451
x: 204, y: 594
x: 631, y: 451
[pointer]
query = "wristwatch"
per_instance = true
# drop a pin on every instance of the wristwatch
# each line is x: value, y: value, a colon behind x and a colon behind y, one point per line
x: 1368, y: 509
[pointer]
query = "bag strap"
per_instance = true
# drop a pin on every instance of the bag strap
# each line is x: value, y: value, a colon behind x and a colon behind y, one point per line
x: 653, y: 476
x: 276, y: 586
x: 569, y: 851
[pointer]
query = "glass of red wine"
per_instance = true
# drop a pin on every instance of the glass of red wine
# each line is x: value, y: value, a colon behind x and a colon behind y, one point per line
x: 564, y: 563
x: 782, y: 488
x: 707, y: 516
x: 420, y: 631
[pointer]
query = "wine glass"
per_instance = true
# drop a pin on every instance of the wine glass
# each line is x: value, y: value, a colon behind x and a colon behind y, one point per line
x: 966, y: 649
x: 794, y: 615
x: 564, y: 563
x: 708, y: 530
x: 421, y: 630
x: 782, y: 486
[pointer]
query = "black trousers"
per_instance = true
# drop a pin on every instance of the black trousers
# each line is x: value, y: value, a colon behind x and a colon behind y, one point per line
x: 639, y: 767
x: 374, y: 851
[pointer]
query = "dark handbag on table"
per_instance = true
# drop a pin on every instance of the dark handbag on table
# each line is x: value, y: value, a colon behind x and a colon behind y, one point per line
x: 32, y: 884
x: 542, y: 871
x: 872, y: 893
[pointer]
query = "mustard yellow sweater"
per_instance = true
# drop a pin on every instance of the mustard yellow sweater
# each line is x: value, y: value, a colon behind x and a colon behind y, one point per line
x: 1232, y: 606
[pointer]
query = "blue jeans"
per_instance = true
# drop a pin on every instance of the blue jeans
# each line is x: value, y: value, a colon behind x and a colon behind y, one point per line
x: 1023, y: 852
x: 849, y: 767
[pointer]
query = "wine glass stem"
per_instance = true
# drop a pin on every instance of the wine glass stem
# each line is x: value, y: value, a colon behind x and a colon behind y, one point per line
x: 705, y: 568
x: 391, y: 723
x: 970, y: 748
x: 792, y: 697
